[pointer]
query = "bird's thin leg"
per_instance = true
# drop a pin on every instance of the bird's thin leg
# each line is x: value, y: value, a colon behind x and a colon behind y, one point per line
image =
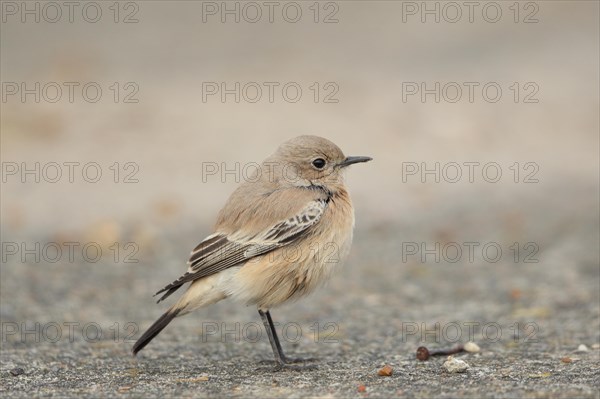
x: 275, y: 345
x: 283, y: 356
x: 280, y: 357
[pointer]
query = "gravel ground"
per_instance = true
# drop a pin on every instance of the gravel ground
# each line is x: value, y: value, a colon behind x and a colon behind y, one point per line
x: 528, y: 318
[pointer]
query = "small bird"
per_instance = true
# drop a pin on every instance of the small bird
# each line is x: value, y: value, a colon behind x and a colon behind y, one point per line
x: 279, y: 236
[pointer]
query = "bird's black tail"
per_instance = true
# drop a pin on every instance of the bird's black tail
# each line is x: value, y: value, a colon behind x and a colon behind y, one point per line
x: 154, y: 330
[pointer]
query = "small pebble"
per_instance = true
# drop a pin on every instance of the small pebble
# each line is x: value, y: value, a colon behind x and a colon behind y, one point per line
x: 566, y: 360
x: 17, y: 371
x: 582, y: 348
x: 422, y: 353
x: 385, y: 371
x: 472, y: 347
x: 362, y: 388
x: 596, y: 346
x: 453, y: 365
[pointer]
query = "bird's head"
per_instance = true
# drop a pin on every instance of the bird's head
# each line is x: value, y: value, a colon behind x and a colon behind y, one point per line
x: 310, y: 161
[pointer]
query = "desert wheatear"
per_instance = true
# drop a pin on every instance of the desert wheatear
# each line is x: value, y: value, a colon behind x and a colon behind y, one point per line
x: 296, y: 203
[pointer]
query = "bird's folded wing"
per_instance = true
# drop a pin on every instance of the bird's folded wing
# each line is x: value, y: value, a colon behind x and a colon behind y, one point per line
x: 219, y: 251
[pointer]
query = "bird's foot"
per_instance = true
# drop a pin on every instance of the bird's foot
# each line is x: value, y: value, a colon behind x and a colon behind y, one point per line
x: 294, y: 360
x: 288, y: 363
x: 290, y: 360
x: 294, y: 367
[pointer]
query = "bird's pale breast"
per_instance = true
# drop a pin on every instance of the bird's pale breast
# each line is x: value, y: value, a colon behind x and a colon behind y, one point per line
x: 297, y: 269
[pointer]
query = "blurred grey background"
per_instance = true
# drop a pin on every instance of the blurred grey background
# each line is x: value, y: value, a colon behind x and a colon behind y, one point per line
x: 371, y: 56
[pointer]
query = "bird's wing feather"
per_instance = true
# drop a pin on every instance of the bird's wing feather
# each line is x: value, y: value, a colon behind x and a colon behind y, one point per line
x: 219, y: 251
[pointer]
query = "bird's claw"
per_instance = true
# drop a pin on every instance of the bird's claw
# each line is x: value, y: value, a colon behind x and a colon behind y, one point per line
x: 294, y: 367
x: 293, y: 360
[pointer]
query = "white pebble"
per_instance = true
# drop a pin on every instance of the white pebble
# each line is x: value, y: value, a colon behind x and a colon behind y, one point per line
x: 582, y: 348
x: 453, y: 365
x: 596, y: 346
x: 472, y: 347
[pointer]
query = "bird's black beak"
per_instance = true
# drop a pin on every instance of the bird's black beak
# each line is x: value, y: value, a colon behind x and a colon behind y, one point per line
x: 351, y: 160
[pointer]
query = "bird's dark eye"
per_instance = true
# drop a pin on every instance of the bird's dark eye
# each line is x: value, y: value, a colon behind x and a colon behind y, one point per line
x: 319, y: 163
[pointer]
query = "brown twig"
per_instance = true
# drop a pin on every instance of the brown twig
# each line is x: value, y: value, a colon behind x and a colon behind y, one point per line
x: 423, y: 353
